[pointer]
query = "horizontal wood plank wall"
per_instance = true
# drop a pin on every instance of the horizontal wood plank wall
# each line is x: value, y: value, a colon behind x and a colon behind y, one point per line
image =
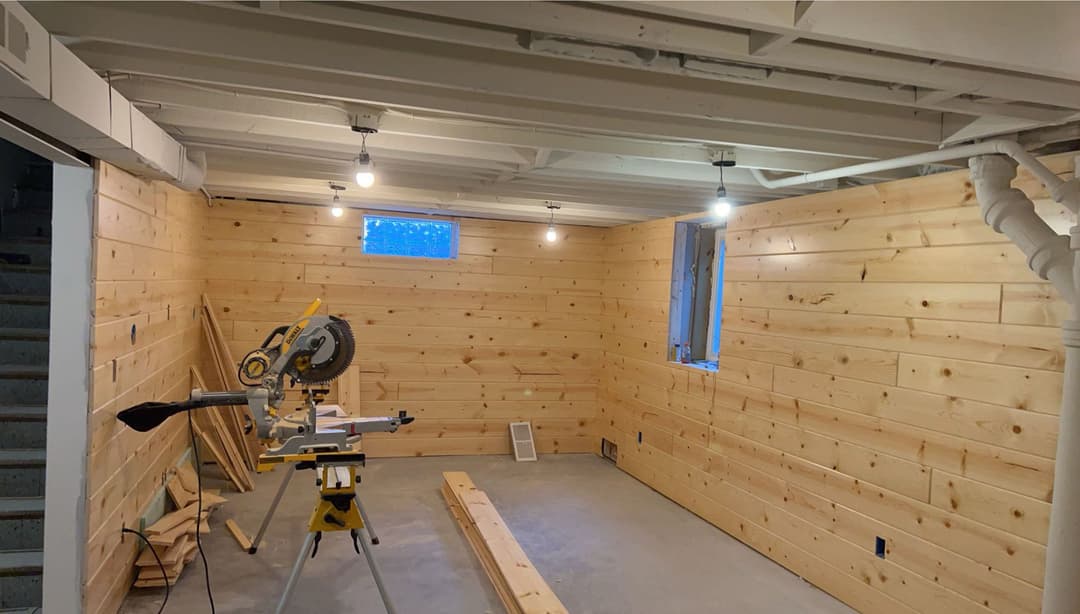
x: 149, y: 278
x: 888, y: 368
x: 507, y: 331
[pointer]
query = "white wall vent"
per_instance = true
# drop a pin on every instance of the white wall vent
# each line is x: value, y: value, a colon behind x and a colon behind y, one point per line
x: 522, y: 440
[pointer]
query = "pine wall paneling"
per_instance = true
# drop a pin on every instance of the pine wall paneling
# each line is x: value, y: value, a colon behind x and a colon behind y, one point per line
x: 148, y: 279
x: 889, y: 368
x: 509, y: 330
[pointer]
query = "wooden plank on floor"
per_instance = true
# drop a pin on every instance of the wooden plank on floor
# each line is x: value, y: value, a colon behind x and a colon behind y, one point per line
x: 500, y: 554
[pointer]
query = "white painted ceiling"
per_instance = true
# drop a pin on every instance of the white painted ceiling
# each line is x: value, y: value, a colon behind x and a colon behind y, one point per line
x: 612, y: 110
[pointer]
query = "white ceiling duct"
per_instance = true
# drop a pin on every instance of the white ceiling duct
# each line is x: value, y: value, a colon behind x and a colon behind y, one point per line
x: 45, y: 86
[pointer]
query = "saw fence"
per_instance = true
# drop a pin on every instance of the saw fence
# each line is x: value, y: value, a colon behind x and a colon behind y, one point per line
x: 222, y: 430
x: 520, y: 586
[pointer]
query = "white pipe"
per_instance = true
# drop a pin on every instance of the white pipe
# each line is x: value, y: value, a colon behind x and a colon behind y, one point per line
x: 1009, y: 211
x: 1061, y: 588
x: 1054, y: 257
x: 1067, y: 193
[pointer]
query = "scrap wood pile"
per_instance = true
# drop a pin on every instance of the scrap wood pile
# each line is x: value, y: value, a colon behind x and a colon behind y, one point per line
x: 519, y: 585
x: 173, y: 536
x: 222, y: 429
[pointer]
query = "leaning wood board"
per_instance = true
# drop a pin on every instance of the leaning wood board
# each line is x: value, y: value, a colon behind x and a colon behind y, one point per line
x: 519, y: 585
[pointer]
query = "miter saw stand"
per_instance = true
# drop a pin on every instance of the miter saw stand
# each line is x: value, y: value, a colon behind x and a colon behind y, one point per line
x: 327, y: 449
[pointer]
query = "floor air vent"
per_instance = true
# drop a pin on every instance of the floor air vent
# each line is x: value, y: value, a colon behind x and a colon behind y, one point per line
x: 521, y: 437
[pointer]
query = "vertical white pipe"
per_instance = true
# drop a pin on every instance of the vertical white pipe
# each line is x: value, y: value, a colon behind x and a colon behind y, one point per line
x: 1057, y: 258
x: 1061, y: 586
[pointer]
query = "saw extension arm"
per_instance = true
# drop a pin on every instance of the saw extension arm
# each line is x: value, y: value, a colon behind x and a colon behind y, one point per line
x: 147, y: 416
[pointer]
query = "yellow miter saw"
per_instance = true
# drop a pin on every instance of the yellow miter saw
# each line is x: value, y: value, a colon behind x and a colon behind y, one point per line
x: 312, y: 351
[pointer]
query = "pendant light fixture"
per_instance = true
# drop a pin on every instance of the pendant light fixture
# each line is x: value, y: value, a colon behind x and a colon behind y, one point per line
x: 363, y: 167
x: 551, y: 235
x: 722, y: 206
x: 336, y: 209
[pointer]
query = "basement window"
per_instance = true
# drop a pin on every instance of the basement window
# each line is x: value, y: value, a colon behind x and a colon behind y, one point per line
x: 697, y: 287
x: 410, y: 237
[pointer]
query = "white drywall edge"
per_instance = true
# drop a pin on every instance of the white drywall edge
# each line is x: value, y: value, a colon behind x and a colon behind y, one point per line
x: 71, y: 307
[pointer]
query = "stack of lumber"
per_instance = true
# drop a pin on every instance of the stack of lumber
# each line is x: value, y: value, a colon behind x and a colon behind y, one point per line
x: 519, y: 585
x: 173, y: 536
x: 222, y: 429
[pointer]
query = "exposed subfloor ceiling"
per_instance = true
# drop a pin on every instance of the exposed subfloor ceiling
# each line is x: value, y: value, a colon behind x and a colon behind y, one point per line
x: 615, y: 111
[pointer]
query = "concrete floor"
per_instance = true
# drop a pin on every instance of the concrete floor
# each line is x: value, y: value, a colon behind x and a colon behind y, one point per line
x: 606, y: 544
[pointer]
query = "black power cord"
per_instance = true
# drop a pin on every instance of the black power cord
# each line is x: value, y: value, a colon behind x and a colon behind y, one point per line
x: 198, y: 512
x: 164, y: 576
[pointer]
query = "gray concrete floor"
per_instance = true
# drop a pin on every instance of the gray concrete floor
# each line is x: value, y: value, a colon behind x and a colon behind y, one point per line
x: 606, y: 544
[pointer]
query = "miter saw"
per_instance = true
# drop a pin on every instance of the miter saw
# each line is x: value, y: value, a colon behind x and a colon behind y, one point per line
x: 311, y: 352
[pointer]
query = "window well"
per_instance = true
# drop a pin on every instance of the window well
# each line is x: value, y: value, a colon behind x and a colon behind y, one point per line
x: 412, y: 237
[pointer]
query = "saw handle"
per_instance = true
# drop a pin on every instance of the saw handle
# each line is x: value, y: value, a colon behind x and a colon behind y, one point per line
x: 147, y: 416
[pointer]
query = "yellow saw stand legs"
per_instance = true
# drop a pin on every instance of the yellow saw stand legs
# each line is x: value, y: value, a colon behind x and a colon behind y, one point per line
x: 338, y: 509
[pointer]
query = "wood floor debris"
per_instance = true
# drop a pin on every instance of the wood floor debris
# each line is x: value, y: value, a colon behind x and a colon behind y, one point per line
x: 173, y: 536
x: 519, y: 585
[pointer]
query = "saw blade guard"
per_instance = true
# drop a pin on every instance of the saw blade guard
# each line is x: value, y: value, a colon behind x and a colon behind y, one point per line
x: 321, y: 353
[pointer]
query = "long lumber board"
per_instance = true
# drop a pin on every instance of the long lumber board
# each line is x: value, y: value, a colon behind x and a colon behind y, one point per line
x: 517, y: 582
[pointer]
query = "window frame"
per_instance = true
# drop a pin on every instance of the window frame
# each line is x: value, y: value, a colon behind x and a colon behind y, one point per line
x: 455, y: 234
x: 688, y: 311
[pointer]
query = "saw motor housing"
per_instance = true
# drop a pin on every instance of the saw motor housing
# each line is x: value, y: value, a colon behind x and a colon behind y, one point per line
x: 314, y: 350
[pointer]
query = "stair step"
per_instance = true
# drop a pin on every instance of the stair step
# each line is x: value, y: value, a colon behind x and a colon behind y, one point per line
x: 11, y: 333
x: 23, y: 413
x: 23, y: 435
x: 31, y: 372
x: 20, y: 562
x: 22, y: 480
x: 24, y: 299
x: 22, y: 507
x: 22, y: 457
x: 26, y: 250
x: 29, y: 279
x: 24, y: 311
x: 24, y: 386
x: 21, y: 592
x: 25, y: 268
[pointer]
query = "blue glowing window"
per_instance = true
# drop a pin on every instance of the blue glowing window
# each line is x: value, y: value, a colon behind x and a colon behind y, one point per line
x: 406, y: 236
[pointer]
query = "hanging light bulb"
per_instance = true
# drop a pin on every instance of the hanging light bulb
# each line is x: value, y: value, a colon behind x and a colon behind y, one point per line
x: 364, y: 168
x: 336, y: 209
x: 721, y: 207
x: 551, y: 235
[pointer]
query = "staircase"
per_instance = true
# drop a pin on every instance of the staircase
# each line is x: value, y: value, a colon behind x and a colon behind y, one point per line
x: 25, y: 247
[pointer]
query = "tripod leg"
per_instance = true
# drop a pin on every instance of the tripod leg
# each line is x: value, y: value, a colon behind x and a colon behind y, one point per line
x: 367, y: 523
x: 273, y: 507
x: 375, y: 573
x: 298, y: 566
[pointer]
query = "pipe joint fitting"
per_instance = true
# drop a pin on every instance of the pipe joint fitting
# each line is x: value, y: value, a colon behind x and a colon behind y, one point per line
x: 1067, y: 193
x: 998, y: 205
x: 1074, y: 237
x: 1070, y: 333
x: 1050, y: 254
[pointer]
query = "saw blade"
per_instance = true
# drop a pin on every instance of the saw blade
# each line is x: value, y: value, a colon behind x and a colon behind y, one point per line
x: 331, y: 368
